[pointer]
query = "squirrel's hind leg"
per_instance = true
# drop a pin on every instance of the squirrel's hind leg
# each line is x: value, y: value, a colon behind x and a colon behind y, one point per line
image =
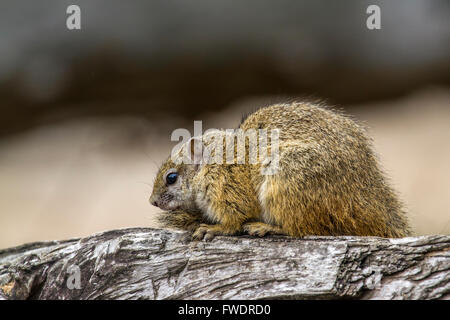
x: 261, y: 229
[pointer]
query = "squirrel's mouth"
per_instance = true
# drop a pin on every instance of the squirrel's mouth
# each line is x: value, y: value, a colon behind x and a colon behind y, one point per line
x: 171, y: 205
x: 165, y: 201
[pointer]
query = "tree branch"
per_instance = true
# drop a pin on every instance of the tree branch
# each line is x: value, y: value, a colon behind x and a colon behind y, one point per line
x: 144, y: 263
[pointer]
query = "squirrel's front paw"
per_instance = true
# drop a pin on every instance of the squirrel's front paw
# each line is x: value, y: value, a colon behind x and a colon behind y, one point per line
x: 204, y: 232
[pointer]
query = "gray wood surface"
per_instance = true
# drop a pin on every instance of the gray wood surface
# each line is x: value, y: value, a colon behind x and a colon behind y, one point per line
x: 143, y: 263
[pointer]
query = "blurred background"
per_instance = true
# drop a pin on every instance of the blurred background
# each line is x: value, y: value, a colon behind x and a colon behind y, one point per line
x: 86, y: 115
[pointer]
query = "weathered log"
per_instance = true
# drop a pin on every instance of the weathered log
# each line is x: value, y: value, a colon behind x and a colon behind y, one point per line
x: 142, y: 263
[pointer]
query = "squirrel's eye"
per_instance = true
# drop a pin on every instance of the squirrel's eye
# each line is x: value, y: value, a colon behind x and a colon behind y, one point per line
x: 171, y: 178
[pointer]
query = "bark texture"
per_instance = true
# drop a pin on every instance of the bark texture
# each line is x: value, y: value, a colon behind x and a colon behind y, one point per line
x: 142, y: 263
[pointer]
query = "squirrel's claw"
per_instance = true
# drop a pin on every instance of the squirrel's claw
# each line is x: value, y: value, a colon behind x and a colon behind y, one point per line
x: 204, y: 232
x: 209, y: 236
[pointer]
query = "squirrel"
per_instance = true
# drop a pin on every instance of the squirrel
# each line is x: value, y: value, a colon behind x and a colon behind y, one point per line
x: 328, y: 182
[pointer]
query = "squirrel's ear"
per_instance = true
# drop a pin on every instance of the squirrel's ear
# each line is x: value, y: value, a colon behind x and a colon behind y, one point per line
x: 196, y: 151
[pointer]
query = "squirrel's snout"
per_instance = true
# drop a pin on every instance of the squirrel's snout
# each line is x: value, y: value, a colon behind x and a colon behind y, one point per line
x: 153, y: 201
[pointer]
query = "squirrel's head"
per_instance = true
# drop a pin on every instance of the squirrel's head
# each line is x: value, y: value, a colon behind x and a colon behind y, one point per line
x: 171, y: 189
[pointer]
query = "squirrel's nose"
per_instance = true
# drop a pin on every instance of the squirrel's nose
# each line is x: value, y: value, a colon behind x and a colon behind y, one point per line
x: 153, y: 201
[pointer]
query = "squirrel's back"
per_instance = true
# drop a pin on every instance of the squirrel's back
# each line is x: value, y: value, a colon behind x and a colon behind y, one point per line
x: 328, y: 174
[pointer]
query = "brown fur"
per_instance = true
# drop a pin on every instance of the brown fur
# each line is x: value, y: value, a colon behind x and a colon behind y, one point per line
x: 329, y: 182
